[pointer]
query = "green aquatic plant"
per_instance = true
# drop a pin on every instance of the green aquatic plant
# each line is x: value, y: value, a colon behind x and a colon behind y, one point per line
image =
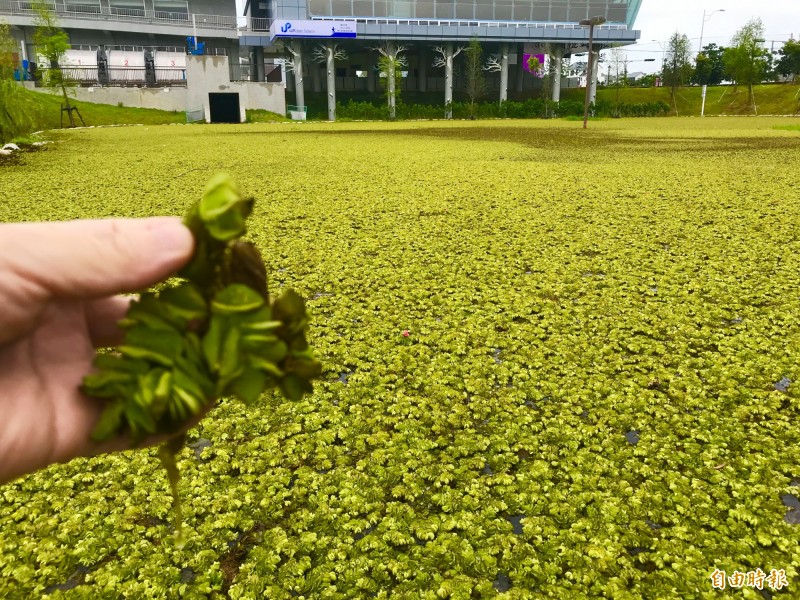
x: 217, y: 333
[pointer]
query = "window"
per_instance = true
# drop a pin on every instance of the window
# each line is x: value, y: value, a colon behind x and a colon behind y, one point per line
x: 127, y: 8
x: 83, y: 6
x: 173, y: 10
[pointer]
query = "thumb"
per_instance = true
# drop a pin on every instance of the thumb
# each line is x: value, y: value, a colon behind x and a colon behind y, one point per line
x: 94, y: 258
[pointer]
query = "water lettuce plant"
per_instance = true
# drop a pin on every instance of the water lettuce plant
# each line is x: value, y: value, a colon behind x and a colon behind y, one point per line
x: 555, y: 364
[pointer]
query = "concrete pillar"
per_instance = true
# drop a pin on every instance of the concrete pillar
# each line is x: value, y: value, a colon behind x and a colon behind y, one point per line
x: 503, y: 73
x: 331, y: 72
x: 422, y: 71
x: 593, y: 90
x: 520, y: 69
x: 557, y: 58
x: 316, y: 77
x: 299, y: 92
x: 258, y: 63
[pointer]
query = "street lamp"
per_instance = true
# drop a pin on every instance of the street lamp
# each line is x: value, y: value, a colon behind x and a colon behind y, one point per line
x: 590, y: 23
x: 663, y: 55
x: 703, y: 26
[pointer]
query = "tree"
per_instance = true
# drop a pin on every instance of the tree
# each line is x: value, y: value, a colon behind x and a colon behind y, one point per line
x: 52, y: 42
x: 677, y: 66
x: 14, y: 117
x: 390, y: 65
x: 618, y: 73
x: 476, y: 82
x: 747, y: 61
x: 709, y: 66
x: 447, y: 55
x: 328, y: 54
x: 294, y: 63
x: 789, y: 62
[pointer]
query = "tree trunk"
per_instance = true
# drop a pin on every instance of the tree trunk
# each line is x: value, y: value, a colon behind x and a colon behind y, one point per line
x: 391, y: 80
x: 448, y: 80
x: 300, y: 98
x: 330, y: 66
x: 503, y: 73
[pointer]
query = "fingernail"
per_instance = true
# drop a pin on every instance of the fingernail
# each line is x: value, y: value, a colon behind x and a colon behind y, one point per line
x: 171, y: 236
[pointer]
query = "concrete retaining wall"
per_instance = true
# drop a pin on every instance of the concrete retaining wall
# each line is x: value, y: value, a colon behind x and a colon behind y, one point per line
x: 204, y: 75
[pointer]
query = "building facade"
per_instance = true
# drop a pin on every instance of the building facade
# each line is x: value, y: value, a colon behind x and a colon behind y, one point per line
x: 431, y: 34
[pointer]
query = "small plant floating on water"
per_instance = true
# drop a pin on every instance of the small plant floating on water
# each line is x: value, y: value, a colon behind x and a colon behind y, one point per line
x: 217, y: 333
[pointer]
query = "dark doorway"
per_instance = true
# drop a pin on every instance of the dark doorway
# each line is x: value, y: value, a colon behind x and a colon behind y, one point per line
x: 224, y: 108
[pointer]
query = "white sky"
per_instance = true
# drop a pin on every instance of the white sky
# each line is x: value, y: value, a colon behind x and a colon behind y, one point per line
x: 659, y: 19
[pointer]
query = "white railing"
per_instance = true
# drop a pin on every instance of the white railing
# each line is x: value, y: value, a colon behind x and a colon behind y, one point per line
x: 76, y: 11
x: 467, y: 23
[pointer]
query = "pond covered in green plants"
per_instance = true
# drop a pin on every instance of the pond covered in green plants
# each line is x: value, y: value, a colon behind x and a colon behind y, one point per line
x: 597, y: 395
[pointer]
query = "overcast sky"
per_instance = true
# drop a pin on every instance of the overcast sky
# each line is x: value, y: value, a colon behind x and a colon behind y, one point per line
x: 659, y: 19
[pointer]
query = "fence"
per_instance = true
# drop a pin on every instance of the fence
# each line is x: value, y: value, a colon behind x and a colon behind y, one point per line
x: 115, y: 76
x: 104, y: 13
x: 245, y: 72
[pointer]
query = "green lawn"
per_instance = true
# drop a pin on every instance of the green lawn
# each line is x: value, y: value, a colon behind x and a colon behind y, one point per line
x: 47, y: 113
x: 774, y: 99
x: 597, y: 397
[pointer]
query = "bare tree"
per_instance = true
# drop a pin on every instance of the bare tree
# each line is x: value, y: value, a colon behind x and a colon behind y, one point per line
x: 295, y: 64
x: 445, y: 59
x: 328, y: 54
x: 390, y: 65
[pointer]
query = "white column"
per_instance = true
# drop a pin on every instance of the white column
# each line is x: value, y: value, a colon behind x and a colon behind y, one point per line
x: 595, y: 63
x: 557, y: 58
x: 503, y: 72
x: 331, y: 68
x: 300, y: 97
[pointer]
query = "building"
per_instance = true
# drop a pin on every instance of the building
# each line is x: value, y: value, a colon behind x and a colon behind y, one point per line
x: 135, y: 51
x: 330, y: 45
x: 431, y: 33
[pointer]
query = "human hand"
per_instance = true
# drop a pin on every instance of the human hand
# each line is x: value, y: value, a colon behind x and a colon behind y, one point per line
x: 58, y: 302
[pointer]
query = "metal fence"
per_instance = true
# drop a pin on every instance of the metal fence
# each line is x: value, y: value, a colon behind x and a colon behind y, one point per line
x: 115, y: 76
x: 97, y: 12
x: 246, y: 72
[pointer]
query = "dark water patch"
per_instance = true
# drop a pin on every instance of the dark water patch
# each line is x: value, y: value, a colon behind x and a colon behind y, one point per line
x: 790, y: 501
x: 783, y: 384
x: 635, y: 550
x: 487, y: 469
x: 531, y: 404
x: 496, y: 355
x: 501, y: 583
x: 77, y: 578
x: 187, y: 575
x: 792, y: 516
x: 363, y: 533
x: 632, y: 436
x: 516, y: 523
x: 652, y: 525
x: 198, y: 447
x: 150, y: 521
x: 344, y: 376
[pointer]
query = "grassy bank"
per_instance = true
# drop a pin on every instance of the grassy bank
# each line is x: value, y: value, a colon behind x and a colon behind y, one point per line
x: 771, y: 99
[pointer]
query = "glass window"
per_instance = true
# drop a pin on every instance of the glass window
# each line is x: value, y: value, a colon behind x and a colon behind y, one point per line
x: 540, y: 12
x: 127, y: 8
x: 320, y: 8
x: 504, y: 10
x: 425, y: 10
x: 83, y: 6
x: 382, y: 8
x: 558, y: 11
x: 484, y: 10
x: 522, y: 10
x: 465, y: 9
x: 362, y: 8
x: 403, y: 9
x: 174, y: 10
x: 578, y: 11
x: 445, y: 9
x: 341, y: 8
